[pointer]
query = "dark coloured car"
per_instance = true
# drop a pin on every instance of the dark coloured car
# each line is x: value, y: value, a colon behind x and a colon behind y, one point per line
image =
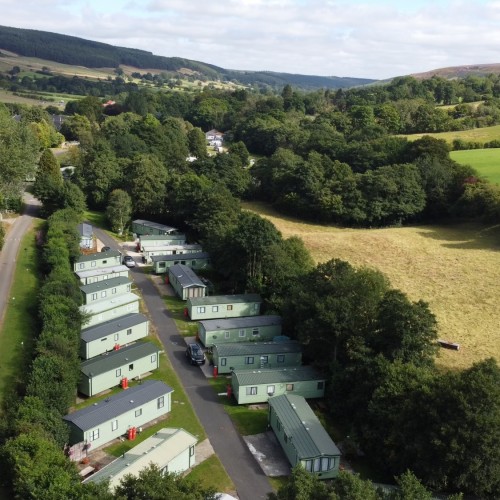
x: 129, y: 261
x: 195, y: 354
x: 105, y: 249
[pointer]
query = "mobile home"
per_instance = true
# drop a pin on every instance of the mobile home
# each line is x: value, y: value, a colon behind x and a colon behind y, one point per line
x: 86, y: 235
x: 186, y: 282
x: 161, y: 240
x: 196, y: 260
x: 224, y: 306
x: 106, y: 310
x: 105, y: 290
x: 97, y: 260
x: 149, y: 252
x: 140, y: 227
x: 101, y: 274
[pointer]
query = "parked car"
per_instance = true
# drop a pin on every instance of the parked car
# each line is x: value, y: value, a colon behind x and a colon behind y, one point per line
x: 105, y: 249
x: 128, y: 261
x: 195, y: 354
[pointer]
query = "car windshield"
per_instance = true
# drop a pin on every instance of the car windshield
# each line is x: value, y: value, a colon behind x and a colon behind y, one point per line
x: 196, y: 350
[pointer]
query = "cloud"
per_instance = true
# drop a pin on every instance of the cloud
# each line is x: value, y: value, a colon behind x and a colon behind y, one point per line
x: 372, y: 39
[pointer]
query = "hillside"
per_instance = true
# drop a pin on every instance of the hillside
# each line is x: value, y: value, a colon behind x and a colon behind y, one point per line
x: 76, y: 51
x: 461, y: 71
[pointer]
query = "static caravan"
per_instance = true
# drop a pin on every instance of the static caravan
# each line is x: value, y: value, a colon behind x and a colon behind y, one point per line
x: 171, y: 450
x: 222, y: 331
x: 257, y: 386
x: 196, y: 260
x: 302, y: 437
x: 105, y: 290
x: 86, y: 235
x: 112, y: 417
x: 224, y: 306
x: 140, y: 227
x: 108, y: 370
x: 113, y: 308
x: 107, y: 336
x: 161, y: 240
x: 256, y: 355
x: 148, y: 252
x: 186, y: 282
x: 102, y: 274
x: 97, y: 260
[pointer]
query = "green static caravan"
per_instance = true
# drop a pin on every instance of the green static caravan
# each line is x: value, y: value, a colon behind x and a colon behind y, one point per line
x: 111, y: 418
x: 149, y: 252
x: 302, y: 437
x: 86, y: 233
x: 256, y: 355
x: 223, y: 331
x: 106, y: 310
x: 171, y: 450
x: 150, y: 240
x: 107, y: 336
x: 257, y: 386
x: 102, y: 273
x: 186, y: 282
x: 224, y: 306
x: 108, y: 370
x: 97, y: 261
x: 105, y: 290
x: 196, y: 260
x: 141, y: 227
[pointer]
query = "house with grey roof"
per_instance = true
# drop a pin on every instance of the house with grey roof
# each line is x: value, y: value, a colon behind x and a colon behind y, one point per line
x: 97, y: 260
x: 302, y: 437
x: 141, y: 226
x: 112, y: 334
x: 101, y: 274
x: 171, y: 450
x: 256, y: 355
x: 105, y: 289
x: 224, y: 306
x: 195, y: 260
x: 186, y: 282
x: 161, y: 240
x: 257, y: 386
x: 148, y: 252
x: 86, y: 233
x: 113, y: 416
x: 255, y: 328
x: 105, y: 310
x: 108, y: 370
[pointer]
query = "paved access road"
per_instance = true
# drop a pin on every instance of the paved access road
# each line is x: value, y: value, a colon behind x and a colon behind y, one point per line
x: 251, y: 483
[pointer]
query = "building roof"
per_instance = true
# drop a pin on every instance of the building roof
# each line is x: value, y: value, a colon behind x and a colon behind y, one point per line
x: 245, y: 322
x: 224, y: 299
x: 96, y: 271
x: 105, y: 284
x: 256, y: 348
x: 161, y: 237
x: 105, y: 305
x: 118, y: 404
x: 109, y: 327
x: 302, y: 427
x: 115, y: 359
x: 98, y: 256
x: 276, y: 375
x: 186, y: 276
x: 183, y: 256
x: 85, y: 230
x: 161, y: 448
x: 157, y: 248
x: 154, y: 225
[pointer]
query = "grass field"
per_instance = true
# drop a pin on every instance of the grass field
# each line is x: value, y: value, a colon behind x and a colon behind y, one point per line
x: 485, y: 161
x: 456, y: 269
x: 481, y: 135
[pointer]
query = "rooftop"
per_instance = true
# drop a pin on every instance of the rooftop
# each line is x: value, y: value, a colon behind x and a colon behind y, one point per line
x: 244, y: 322
x: 105, y: 305
x: 166, y: 248
x: 276, y: 375
x: 224, y: 299
x: 161, y: 237
x: 105, y: 284
x: 173, y: 257
x: 85, y: 230
x: 98, y: 256
x: 186, y: 276
x: 257, y: 348
x: 154, y: 225
x: 96, y: 271
x: 112, y: 326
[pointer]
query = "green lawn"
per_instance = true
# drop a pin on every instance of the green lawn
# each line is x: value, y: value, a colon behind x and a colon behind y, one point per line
x: 482, y: 135
x: 19, y: 326
x: 175, y: 307
x: 211, y: 474
x: 485, y: 161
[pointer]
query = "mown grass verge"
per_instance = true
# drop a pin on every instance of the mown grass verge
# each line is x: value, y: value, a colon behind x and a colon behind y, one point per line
x: 211, y: 474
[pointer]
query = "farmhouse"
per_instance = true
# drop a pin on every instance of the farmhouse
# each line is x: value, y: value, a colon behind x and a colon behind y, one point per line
x: 221, y: 331
x: 256, y: 355
x: 161, y: 240
x: 257, y: 386
x: 110, y: 418
x: 140, y: 227
x: 302, y: 437
x: 109, y: 335
x: 113, y: 308
x: 185, y: 282
x: 108, y: 370
x: 86, y: 235
x: 101, y: 273
x: 172, y: 450
x: 104, y: 290
x: 224, y: 306
x: 148, y: 252
x: 196, y: 260
x: 97, y: 260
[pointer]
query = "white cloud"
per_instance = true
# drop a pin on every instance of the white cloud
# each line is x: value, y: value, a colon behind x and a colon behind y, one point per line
x: 372, y: 39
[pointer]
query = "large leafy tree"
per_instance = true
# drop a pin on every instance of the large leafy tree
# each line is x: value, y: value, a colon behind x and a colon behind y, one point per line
x: 48, y: 182
x: 119, y: 210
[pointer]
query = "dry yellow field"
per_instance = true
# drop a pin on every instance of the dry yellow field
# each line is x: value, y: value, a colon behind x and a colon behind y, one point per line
x: 456, y: 269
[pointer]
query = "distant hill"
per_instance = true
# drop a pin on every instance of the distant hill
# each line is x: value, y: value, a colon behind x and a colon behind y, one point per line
x: 80, y: 52
x: 460, y: 71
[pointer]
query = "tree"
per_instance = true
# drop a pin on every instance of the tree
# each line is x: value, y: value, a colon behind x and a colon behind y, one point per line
x: 48, y: 182
x: 119, y: 210
x: 197, y: 143
x: 410, y: 488
x: 72, y: 196
x: 302, y: 486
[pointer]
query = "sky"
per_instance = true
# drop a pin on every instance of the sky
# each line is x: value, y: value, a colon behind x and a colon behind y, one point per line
x: 349, y: 38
